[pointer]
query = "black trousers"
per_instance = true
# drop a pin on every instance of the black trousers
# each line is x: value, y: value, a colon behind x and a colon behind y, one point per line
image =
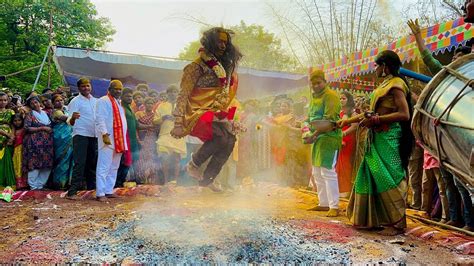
x: 122, y: 173
x: 218, y: 150
x: 85, y: 163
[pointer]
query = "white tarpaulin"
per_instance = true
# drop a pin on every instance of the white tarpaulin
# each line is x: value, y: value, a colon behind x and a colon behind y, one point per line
x: 159, y: 72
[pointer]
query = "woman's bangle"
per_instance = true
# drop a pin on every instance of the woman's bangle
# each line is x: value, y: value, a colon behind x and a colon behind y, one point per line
x: 375, y: 119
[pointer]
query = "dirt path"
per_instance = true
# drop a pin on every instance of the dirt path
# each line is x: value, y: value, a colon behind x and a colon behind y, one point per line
x: 264, y: 224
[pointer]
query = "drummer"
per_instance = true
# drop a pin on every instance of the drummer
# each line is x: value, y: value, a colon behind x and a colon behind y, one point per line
x: 324, y: 105
x: 455, y: 191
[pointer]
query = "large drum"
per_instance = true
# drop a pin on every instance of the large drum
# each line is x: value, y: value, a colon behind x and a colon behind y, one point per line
x: 444, y: 118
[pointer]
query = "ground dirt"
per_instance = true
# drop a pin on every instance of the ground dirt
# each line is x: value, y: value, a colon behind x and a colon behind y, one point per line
x: 261, y: 223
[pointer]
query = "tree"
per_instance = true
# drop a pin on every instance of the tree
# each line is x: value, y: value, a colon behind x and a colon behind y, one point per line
x: 431, y: 12
x: 323, y: 31
x: 26, y: 31
x: 261, y: 49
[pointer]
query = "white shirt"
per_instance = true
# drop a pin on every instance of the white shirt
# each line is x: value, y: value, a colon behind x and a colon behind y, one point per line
x: 193, y: 140
x: 85, y: 125
x: 104, y: 122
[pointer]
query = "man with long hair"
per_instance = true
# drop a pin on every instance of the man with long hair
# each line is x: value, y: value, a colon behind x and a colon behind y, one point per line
x: 203, y: 106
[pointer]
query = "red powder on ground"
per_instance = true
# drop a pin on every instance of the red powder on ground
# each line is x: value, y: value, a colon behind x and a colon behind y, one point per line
x: 320, y: 230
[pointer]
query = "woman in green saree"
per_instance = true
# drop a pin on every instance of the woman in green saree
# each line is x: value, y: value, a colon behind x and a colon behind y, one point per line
x: 379, y: 194
x: 7, y: 174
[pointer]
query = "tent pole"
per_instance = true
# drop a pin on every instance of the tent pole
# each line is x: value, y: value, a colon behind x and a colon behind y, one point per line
x: 50, y: 41
x: 41, y: 68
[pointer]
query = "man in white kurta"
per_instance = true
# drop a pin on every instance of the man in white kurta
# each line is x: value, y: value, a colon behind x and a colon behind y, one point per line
x: 112, y: 143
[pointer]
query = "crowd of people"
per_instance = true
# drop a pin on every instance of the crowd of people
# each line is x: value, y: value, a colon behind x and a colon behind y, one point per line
x: 49, y: 142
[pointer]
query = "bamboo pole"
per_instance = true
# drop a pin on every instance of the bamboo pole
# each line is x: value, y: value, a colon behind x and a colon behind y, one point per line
x: 50, y: 41
x: 41, y: 68
x: 332, y: 29
x: 323, y: 27
x: 359, y: 25
x: 352, y: 21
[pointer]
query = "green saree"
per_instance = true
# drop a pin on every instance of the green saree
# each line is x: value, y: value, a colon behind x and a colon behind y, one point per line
x: 379, y: 193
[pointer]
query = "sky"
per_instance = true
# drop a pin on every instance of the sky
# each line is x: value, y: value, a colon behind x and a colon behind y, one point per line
x: 163, y: 28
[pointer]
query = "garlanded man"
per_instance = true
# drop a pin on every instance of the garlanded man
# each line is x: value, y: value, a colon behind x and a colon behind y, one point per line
x: 111, y: 126
x: 324, y: 105
x: 203, y: 106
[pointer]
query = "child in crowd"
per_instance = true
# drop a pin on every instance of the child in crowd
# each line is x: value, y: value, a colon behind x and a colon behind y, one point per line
x: 19, y: 133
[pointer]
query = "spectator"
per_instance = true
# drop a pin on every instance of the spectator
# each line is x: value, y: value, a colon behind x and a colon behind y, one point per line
x: 38, y: 152
x: 432, y: 176
x: 143, y: 88
x: 111, y: 125
x: 345, y: 160
x: 19, y: 131
x: 170, y: 150
x: 62, y: 139
x: 131, y: 156
x: 7, y: 174
x: 138, y: 103
x: 147, y: 163
x: 281, y: 124
x: 84, y: 141
x: 47, y: 91
x: 47, y: 103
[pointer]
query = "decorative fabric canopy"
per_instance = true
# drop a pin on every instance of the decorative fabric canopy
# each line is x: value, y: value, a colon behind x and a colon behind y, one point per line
x: 437, y: 38
x: 355, y: 83
x: 158, y: 72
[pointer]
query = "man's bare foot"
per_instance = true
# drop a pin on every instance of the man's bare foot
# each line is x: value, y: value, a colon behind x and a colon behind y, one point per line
x: 319, y: 209
x: 391, y: 231
x: 455, y: 223
x: 468, y: 228
x: 333, y: 213
x: 193, y: 171
x: 73, y: 197
x: 214, y: 188
x: 101, y: 199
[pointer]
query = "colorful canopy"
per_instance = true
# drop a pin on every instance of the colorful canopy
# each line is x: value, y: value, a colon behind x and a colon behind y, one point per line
x: 437, y: 38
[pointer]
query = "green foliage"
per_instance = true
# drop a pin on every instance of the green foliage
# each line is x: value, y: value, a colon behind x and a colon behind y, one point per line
x: 24, y: 36
x: 261, y: 49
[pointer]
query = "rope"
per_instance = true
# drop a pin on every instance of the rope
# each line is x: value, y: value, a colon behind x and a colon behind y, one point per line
x: 442, y: 121
x: 21, y: 71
